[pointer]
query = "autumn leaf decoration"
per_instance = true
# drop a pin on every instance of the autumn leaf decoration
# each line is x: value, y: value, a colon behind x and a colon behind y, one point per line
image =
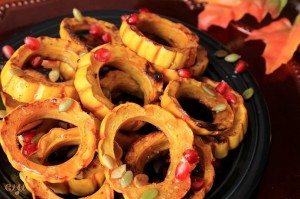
x: 281, y: 37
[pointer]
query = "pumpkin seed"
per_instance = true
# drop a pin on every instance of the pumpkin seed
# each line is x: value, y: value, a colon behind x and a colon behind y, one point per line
x: 150, y: 194
x: 3, y: 113
x: 248, y: 93
x: 65, y: 105
x: 118, y: 172
x: 140, y: 180
x: 208, y: 90
x: 221, y: 53
x: 54, y: 75
x: 219, y: 108
x: 77, y: 15
x: 108, y: 161
x: 16, y: 71
x: 233, y: 57
x: 126, y: 179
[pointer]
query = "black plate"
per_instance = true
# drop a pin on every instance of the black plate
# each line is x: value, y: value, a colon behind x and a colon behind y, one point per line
x: 241, y: 171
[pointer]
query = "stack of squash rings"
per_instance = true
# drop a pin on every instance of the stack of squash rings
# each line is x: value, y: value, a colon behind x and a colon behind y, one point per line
x: 80, y: 136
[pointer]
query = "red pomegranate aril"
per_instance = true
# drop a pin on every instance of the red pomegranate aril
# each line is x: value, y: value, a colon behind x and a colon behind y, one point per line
x: 102, y: 55
x: 32, y: 43
x: 95, y: 30
x: 185, y: 73
x: 191, y: 156
x: 133, y: 19
x: 106, y: 37
x: 36, y: 61
x: 182, y: 171
x: 8, y: 51
x: 240, y: 66
x: 144, y: 10
x: 230, y: 97
x: 222, y: 87
x: 28, y: 136
x: 28, y: 149
x: 197, y: 183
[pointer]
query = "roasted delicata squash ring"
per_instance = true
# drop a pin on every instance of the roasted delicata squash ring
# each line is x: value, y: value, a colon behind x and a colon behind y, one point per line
x: 147, y: 148
x: 196, y: 70
x: 175, y: 129
x: 29, y: 85
x: 205, y: 94
x: 231, y: 138
x: 117, y: 82
x: 69, y: 27
x: 181, y: 51
x: 39, y: 189
x: 87, y: 78
x: 49, y: 108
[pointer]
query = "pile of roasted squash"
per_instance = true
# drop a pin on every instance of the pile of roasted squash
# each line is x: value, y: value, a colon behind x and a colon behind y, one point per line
x: 71, y: 132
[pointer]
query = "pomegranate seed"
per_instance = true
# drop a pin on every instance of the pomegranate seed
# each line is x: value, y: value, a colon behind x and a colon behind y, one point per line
x: 102, y: 55
x: 8, y: 51
x: 197, y: 183
x: 36, y: 61
x: 184, y: 73
x: 106, y: 37
x: 95, y: 30
x: 28, y: 149
x: 144, y: 10
x: 133, y: 19
x: 222, y: 87
x: 32, y: 43
x: 191, y: 156
x: 28, y: 136
x: 182, y: 171
x: 240, y: 66
x: 230, y: 97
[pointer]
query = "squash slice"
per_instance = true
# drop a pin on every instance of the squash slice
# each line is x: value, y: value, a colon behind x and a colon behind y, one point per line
x: 230, y: 138
x: 48, y: 108
x: 181, y: 51
x: 174, y: 129
x: 69, y: 27
x: 32, y: 85
x: 197, y: 69
x: 87, y: 78
x: 205, y: 94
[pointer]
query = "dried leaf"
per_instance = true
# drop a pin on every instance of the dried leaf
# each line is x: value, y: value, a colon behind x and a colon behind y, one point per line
x: 282, y: 40
x: 220, y: 12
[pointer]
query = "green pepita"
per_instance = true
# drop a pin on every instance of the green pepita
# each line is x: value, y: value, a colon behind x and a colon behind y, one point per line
x: 126, y: 179
x: 65, y: 105
x: 108, y: 161
x: 219, y: 107
x: 118, y: 172
x: 233, y: 57
x: 77, y: 15
x: 150, y: 194
x: 248, y: 93
x: 221, y: 53
x: 208, y: 90
x: 54, y: 75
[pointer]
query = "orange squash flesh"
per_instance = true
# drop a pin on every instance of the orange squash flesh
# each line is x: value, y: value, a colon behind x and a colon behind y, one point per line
x: 175, y: 129
x: 48, y: 108
x: 32, y: 85
x: 195, y: 90
x: 87, y: 83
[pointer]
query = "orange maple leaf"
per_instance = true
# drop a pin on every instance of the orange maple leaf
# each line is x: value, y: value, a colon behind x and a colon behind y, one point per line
x: 281, y: 39
x: 220, y: 12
